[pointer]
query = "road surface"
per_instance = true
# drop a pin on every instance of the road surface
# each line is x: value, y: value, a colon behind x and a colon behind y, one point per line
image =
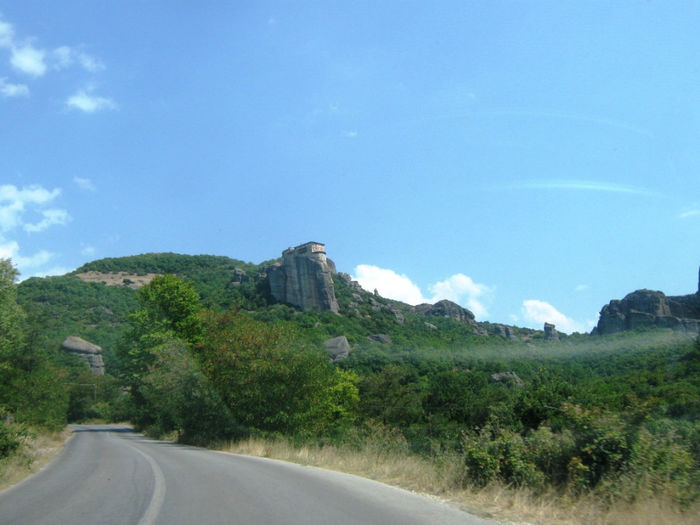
x: 111, y: 475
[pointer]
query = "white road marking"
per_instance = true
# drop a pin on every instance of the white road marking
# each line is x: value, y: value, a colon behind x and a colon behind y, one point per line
x: 149, y: 517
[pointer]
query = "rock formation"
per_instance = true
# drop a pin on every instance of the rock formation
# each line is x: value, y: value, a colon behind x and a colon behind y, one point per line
x: 652, y: 309
x: 239, y: 277
x: 304, y: 278
x: 446, y: 308
x: 500, y: 330
x: 88, y: 352
x: 337, y: 347
x: 550, y: 332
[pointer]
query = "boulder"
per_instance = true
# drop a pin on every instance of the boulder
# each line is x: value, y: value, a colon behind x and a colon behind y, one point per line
x: 88, y: 352
x: 337, y: 347
x: 508, y: 378
x: 380, y: 338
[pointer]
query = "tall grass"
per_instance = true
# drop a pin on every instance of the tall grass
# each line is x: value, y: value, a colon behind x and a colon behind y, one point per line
x: 35, y: 452
x: 387, y: 459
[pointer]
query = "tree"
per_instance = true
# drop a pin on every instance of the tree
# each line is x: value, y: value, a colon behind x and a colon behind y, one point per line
x: 271, y: 380
x: 31, y: 389
x: 168, y: 309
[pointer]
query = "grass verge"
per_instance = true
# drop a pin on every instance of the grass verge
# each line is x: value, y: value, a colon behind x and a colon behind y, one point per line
x: 34, y: 454
x: 442, y: 479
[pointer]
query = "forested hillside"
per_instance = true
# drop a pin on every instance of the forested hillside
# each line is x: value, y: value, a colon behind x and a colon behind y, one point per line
x: 204, y: 353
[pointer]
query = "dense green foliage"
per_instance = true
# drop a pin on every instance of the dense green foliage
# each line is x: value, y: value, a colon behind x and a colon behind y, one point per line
x: 212, y: 276
x: 203, y: 351
x: 31, y: 390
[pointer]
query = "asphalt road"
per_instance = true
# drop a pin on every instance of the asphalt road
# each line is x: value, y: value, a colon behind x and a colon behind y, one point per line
x: 110, y: 475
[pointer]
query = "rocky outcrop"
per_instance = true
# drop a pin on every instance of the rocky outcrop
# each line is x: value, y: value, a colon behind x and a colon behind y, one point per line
x: 508, y: 378
x: 239, y: 277
x: 501, y: 330
x: 337, y: 347
x: 648, y: 308
x: 380, y: 338
x: 550, y: 332
x: 448, y: 309
x: 304, y: 278
x: 88, y: 352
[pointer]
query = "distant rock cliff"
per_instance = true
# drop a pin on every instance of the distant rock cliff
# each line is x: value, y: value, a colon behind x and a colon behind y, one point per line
x: 88, y: 352
x: 652, y: 309
x: 304, y: 278
x: 446, y: 308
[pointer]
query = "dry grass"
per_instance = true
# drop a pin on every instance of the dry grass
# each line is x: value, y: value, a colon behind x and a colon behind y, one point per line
x: 33, y: 456
x: 441, y: 480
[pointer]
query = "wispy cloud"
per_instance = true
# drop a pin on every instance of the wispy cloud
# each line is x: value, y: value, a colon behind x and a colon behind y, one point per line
x: 15, y: 202
x: 86, y: 102
x: 29, y: 59
x: 84, y: 183
x: 578, y: 185
x: 581, y: 288
x: 591, y: 119
x: 9, y: 90
x: 18, y: 206
x: 7, y: 33
x: 458, y: 288
x: 65, y: 56
x: 50, y: 217
x: 689, y: 213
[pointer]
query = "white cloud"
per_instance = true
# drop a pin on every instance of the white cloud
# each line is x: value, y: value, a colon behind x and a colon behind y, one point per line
x: 461, y: 289
x: 84, y: 183
x: 29, y: 60
x: 351, y: 134
x: 388, y: 283
x: 581, y: 288
x: 10, y: 250
x: 13, y: 90
x: 15, y: 201
x: 85, y: 101
x: 458, y: 288
x: 51, y: 217
x: 538, y: 312
x: 15, y: 204
x: 7, y: 34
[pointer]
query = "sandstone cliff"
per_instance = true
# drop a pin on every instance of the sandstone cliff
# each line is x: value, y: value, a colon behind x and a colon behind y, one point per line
x: 304, y: 278
x: 88, y: 352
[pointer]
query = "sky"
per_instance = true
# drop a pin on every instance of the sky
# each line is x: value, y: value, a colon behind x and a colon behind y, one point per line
x: 530, y: 161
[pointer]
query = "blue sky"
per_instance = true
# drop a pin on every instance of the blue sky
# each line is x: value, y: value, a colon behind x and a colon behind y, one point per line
x: 529, y: 160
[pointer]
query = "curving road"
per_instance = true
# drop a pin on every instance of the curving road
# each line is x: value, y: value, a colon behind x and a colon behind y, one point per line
x: 110, y: 475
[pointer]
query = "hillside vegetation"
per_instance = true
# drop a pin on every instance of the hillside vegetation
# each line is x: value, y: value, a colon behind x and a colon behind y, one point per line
x: 204, y: 353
